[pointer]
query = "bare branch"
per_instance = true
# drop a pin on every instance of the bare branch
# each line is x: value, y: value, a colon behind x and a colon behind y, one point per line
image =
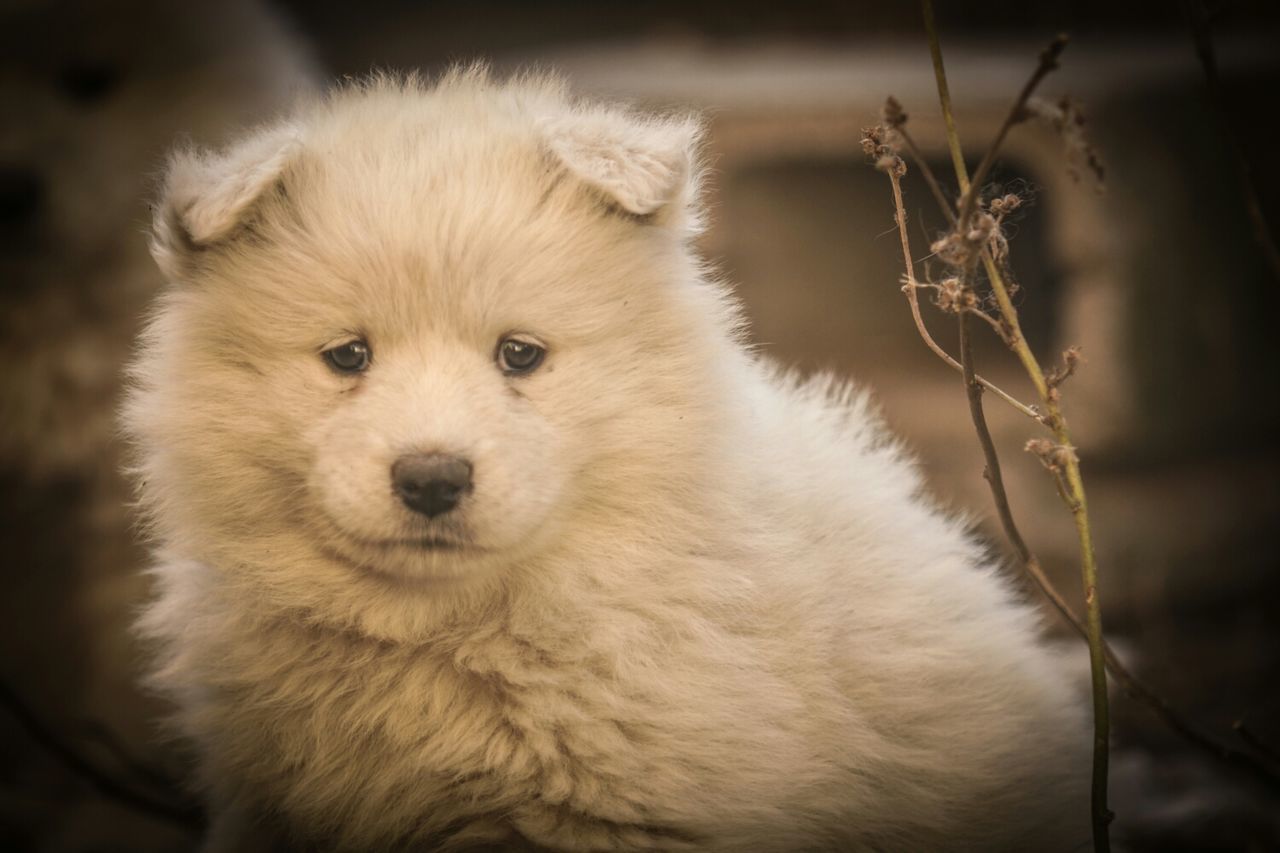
x: 1071, y: 359
x: 1066, y: 117
x: 1048, y: 62
x: 895, y: 168
x: 1128, y: 682
x: 896, y: 120
x: 1062, y: 462
x: 1100, y: 813
x: 989, y: 320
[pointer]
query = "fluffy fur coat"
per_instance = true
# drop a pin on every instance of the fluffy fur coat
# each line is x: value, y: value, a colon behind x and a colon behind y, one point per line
x: 689, y: 602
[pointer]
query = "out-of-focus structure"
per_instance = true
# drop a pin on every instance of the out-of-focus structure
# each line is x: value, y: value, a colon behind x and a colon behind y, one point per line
x: 93, y: 94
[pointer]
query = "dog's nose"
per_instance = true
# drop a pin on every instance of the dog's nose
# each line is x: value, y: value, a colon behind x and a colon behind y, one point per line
x: 431, y: 483
x: 21, y: 192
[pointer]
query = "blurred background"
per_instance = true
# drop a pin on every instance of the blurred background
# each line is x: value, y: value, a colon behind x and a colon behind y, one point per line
x: 1160, y: 279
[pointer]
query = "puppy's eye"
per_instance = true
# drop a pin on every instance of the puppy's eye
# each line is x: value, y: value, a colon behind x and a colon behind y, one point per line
x: 351, y: 357
x: 517, y: 357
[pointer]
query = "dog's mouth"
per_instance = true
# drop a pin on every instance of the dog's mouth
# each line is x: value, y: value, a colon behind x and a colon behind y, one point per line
x: 430, y: 543
x: 432, y: 559
x: 420, y: 542
x: 430, y: 539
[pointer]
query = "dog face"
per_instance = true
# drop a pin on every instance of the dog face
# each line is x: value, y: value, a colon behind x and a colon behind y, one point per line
x: 420, y: 335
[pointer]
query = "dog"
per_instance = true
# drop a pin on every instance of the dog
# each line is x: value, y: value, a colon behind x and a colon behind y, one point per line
x: 478, y: 526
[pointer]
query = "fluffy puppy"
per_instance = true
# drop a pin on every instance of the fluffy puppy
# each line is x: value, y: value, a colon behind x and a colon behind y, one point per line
x: 478, y: 525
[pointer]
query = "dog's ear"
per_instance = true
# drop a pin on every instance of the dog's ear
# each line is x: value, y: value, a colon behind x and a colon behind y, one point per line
x: 208, y: 196
x: 647, y: 166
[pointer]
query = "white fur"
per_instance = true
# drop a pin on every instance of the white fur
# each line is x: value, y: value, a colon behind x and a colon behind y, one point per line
x: 702, y: 605
x: 644, y: 164
x: 210, y: 195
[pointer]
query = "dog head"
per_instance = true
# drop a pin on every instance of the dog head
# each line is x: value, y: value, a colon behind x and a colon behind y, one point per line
x: 419, y: 336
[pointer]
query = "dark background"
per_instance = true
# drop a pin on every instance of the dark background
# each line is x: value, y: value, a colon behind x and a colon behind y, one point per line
x: 1159, y: 278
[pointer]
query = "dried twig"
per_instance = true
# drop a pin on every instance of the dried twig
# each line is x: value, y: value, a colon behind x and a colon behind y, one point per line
x: 1048, y: 62
x: 1058, y: 455
x: 988, y: 319
x: 894, y: 168
x: 1127, y: 681
x: 944, y: 95
x: 1101, y: 814
x: 1066, y: 117
x: 895, y: 119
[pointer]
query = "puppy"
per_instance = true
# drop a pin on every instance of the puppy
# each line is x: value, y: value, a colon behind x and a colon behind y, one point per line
x: 477, y: 524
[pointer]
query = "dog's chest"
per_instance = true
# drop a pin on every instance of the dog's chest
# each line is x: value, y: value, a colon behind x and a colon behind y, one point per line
x: 369, y: 742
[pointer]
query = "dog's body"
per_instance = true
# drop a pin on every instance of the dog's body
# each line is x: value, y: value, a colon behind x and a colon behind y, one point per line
x: 676, y: 600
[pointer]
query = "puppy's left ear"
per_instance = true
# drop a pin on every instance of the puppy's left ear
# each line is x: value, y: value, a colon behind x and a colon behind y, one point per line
x: 646, y: 166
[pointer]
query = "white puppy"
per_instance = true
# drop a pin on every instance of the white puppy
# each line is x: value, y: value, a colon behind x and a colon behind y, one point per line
x: 478, y: 524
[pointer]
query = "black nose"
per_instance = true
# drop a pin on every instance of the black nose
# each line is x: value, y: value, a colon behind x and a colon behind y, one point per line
x: 431, y: 483
x: 21, y: 192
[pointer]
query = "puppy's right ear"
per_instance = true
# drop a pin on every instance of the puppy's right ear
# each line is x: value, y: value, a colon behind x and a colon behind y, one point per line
x: 208, y: 196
